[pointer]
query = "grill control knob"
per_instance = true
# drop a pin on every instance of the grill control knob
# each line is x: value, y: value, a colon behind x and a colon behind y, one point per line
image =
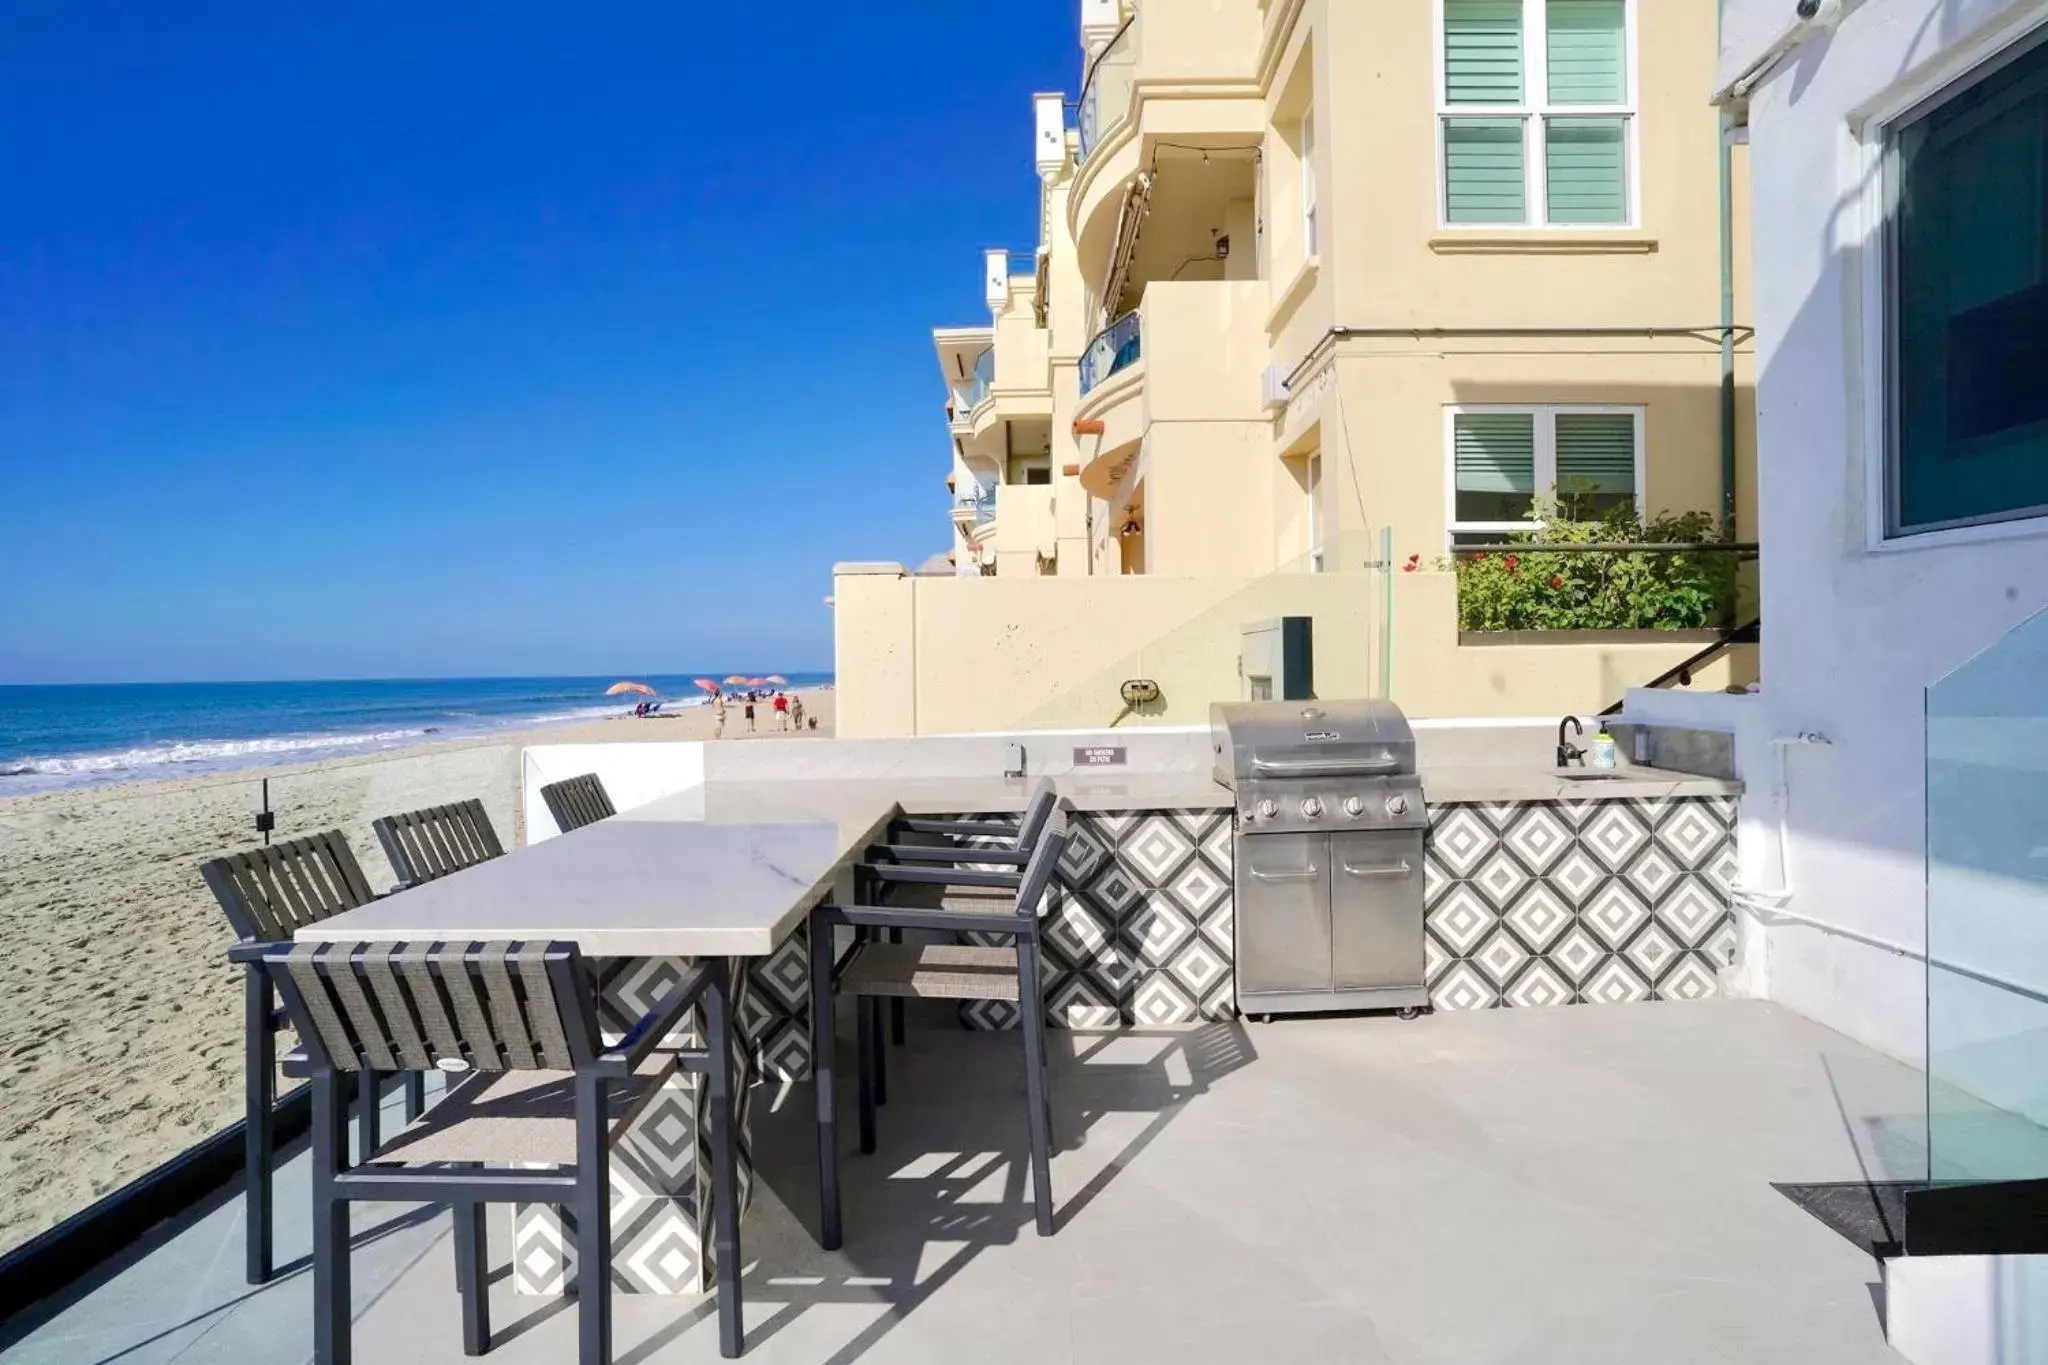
x: 1311, y: 807
x: 1353, y: 807
x: 1397, y: 805
x: 1268, y: 808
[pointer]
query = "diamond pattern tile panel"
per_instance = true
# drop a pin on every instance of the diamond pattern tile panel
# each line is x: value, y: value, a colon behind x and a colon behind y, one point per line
x: 1532, y: 904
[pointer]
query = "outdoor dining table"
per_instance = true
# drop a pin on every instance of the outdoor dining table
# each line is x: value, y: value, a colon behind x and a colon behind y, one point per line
x: 729, y: 873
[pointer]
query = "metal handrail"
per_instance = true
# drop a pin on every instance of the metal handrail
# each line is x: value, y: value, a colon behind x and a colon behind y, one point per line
x: 1087, y: 115
x: 1116, y: 347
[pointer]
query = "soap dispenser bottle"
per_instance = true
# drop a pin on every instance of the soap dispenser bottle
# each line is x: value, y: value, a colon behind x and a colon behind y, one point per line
x: 1603, y: 750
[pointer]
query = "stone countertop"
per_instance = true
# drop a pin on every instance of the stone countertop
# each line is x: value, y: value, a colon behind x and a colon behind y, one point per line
x: 1447, y: 786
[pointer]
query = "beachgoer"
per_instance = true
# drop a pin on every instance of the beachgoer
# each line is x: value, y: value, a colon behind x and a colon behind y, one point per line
x: 718, y: 714
x: 796, y: 712
x: 781, y: 711
x: 750, y: 712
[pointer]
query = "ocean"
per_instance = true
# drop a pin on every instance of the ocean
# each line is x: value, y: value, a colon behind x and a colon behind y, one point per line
x: 77, y: 735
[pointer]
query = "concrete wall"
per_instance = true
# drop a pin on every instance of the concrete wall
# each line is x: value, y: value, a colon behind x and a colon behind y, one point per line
x: 1857, y: 630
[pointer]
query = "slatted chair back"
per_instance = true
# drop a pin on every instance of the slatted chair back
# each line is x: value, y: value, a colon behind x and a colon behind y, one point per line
x: 430, y: 843
x: 271, y: 891
x: 1036, y: 813
x: 1044, y: 862
x: 453, y: 1007
x: 577, y: 801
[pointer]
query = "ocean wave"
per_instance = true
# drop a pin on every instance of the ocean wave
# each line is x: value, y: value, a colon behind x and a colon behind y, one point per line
x: 186, y: 752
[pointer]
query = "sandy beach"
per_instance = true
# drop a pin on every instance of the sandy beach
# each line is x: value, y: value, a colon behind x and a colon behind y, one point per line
x: 120, y: 1020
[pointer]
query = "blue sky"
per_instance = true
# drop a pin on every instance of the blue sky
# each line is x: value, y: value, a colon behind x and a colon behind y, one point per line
x: 448, y: 339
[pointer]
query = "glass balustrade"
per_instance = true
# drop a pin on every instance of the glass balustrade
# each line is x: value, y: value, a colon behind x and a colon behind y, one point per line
x: 1116, y: 347
x: 1106, y: 98
x: 120, y: 1017
x: 1987, y: 914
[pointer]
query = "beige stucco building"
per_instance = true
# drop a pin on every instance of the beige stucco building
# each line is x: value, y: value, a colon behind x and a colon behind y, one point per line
x: 1325, y: 290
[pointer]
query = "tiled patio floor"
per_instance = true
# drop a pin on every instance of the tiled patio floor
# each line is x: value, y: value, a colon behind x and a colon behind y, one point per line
x: 1577, y: 1186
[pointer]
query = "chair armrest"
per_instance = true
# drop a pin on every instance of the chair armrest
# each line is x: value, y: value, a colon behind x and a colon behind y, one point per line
x: 946, y: 853
x: 942, y: 876
x: 909, y: 917
x: 914, y: 825
x: 251, y: 951
x: 625, y: 1056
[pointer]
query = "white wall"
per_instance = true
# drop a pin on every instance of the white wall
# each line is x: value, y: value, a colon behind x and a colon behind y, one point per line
x: 1852, y: 633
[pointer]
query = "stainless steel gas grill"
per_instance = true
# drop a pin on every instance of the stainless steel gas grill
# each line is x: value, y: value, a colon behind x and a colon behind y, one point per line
x: 1330, y: 825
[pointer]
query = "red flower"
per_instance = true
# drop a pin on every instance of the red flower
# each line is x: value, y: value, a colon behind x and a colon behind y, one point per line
x: 1479, y: 558
x: 1413, y: 560
x: 1556, y: 582
x: 1511, y: 561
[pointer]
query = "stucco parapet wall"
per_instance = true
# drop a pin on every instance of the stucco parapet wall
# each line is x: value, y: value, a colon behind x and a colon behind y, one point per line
x: 1448, y: 786
x: 864, y: 568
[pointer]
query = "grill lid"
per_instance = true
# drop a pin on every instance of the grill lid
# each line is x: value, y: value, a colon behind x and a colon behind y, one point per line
x: 1278, y: 740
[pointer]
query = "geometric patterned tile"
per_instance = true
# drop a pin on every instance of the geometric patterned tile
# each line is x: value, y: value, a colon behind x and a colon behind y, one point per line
x: 1500, y: 878
x: 1539, y: 916
x: 1615, y: 833
x: 1577, y: 875
x: 1537, y: 837
x: 1156, y: 848
x: 1722, y: 942
x: 1462, y: 988
x: 1652, y: 951
x: 1652, y: 873
x: 1576, y: 955
x: 1691, y: 978
x: 1690, y: 832
x: 1460, y: 919
x: 1616, y: 983
x: 1461, y: 838
x: 1615, y: 913
x: 1690, y: 910
x: 1540, y: 986
x: 1500, y: 957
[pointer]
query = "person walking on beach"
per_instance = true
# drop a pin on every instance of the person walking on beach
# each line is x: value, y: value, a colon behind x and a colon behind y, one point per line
x: 796, y: 712
x: 750, y: 713
x: 781, y: 711
x: 718, y: 716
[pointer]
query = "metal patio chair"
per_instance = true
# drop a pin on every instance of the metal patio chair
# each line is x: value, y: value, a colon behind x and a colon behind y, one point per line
x: 874, y: 970
x: 267, y: 893
x: 430, y: 843
x: 577, y: 801
x: 537, y: 1102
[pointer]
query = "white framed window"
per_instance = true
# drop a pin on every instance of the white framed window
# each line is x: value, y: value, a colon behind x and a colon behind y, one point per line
x: 1964, y: 281
x: 1536, y: 113
x: 1310, y: 242
x: 1313, y: 476
x: 1499, y: 459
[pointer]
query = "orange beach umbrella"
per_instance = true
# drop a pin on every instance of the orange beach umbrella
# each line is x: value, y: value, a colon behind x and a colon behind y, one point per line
x: 705, y: 684
x: 736, y: 680
x: 618, y: 687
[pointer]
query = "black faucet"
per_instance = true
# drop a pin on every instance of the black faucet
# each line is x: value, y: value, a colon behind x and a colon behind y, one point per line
x: 1569, y: 753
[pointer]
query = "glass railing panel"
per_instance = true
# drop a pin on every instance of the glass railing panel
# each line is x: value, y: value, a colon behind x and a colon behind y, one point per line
x: 1116, y: 347
x: 984, y: 378
x: 1106, y: 99
x: 1987, y: 914
x: 120, y: 1016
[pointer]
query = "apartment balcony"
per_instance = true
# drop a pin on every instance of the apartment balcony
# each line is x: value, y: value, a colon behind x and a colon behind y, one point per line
x: 1112, y: 372
x: 971, y: 510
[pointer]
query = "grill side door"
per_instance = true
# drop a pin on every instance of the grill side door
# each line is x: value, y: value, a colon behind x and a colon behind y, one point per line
x: 1283, y: 913
x: 1376, y: 909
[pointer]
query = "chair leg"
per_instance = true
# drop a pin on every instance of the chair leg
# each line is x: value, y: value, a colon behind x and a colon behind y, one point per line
x: 1032, y: 1025
x: 593, y: 1223
x: 369, y: 1092
x: 472, y: 1277
x: 896, y: 1005
x: 725, y: 1181
x: 881, y: 1057
x: 868, y: 1048
x: 331, y: 1325
x: 415, y: 1094
x: 259, y: 1067
x: 823, y: 1067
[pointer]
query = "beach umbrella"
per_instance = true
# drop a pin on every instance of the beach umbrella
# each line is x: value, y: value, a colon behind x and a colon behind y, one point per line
x: 618, y: 687
x: 736, y: 680
x: 777, y: 679
x: 757, y: 682
x: 706, y: 685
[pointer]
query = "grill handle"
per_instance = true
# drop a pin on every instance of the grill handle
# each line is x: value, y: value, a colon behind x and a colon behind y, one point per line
x: 1400, y: 869
x: 1324, y: 767
x: 1308, y: 875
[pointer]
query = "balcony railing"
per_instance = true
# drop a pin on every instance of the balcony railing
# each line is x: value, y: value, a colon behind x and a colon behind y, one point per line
x: 1106, y: 95
x: 980, y: 505
x: 984, y: 379
x: 1115, y: 347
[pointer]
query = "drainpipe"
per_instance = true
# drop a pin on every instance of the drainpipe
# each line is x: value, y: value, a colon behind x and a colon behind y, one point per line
x: 1727, y: 188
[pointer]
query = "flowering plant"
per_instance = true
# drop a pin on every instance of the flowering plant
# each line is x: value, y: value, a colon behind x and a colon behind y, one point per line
x: 1535, y: 589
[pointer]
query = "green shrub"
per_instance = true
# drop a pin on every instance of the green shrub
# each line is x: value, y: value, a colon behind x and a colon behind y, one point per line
x: 1529, y: 589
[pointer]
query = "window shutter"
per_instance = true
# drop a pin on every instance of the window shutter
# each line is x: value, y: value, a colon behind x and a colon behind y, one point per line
x: 1596, y: 452
x: 1588, y: 61
x: 1494, y: 452
x: 1482, y: 51
x: 1586, y: 170
x: 1483, y: 172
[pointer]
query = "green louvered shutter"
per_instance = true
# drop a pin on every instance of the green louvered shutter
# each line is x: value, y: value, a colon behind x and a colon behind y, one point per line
x: 1483, y: 171
x: 1596, y: 461
x: 1482, y: 52
x: 1493, y: 459
x: 1588, y: 61
x: 1586, y: 169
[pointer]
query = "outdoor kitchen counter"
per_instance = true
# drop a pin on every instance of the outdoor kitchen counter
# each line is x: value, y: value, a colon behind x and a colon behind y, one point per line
x: 1449, y: 786
x: 853, y: 800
